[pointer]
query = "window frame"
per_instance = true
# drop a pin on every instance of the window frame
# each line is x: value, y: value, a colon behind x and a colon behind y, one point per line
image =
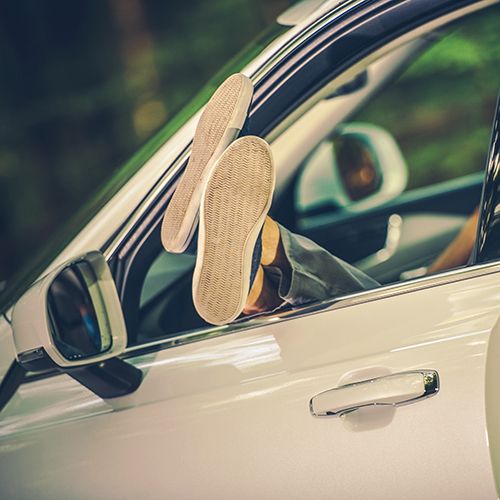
x: 272, y: 105
x: 487, y: 247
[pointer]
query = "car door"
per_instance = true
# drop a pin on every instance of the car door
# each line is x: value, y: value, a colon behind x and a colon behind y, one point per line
x: 230, y: 415
x: 227, y: 411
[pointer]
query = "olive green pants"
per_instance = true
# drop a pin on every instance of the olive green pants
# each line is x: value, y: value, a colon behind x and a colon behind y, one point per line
x: 316, y: 274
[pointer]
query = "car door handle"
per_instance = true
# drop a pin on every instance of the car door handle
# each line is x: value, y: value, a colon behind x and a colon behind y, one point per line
x: 391, y: 390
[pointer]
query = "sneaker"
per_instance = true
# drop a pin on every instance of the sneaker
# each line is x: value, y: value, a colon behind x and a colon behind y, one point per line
x: 235, y: 203
x: 219, y: 125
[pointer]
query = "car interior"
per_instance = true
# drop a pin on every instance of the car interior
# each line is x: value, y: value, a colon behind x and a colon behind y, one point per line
x: 362, y: 170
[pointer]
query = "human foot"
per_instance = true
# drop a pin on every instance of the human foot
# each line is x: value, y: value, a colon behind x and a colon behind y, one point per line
x: 219, y: 125
x: 263, y: 295
x: 235, y: 203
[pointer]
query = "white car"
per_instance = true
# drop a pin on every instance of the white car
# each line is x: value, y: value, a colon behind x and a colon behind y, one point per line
x: 113, y: 387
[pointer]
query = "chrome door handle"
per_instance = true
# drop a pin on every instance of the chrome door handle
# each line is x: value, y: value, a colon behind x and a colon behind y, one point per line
x: 391, y: 390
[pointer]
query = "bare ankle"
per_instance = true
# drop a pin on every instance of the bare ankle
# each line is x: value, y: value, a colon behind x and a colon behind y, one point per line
x: 262, y: 297
x: 270, y: 242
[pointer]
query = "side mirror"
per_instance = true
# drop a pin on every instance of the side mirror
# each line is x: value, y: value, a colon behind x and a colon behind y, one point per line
x: 72, y: 320
x: 358, y: 168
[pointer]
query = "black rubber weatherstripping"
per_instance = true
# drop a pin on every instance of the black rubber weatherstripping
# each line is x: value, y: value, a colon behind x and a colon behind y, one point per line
x: 12, y: 380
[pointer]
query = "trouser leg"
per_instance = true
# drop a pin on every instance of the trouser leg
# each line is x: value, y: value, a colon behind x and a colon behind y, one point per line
x: 316, y: 274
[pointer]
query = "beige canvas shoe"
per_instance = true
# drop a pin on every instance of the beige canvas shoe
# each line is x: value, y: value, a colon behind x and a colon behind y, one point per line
x: 235, y: 203
x: 219, y: 125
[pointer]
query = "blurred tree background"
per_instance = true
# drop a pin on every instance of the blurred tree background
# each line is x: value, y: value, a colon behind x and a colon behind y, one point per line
x: 84, y: 84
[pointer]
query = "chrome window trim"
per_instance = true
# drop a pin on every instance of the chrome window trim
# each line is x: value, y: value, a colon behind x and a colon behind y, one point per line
x: 327, y: 17
x: 304, y: 34
x: 384, y: 292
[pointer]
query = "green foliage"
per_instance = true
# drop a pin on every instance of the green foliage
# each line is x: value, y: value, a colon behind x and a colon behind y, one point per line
x: 441, y: 109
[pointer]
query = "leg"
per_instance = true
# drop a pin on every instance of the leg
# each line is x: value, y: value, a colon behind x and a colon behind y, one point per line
x: 235, y: 203
x: 296, y: 270
x: 458, y: 252
x: 246, y: 261
x: 263, y: 295
x: 219, y: 125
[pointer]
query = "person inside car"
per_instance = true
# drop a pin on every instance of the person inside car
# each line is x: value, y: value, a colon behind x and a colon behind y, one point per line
x: 245, y: 261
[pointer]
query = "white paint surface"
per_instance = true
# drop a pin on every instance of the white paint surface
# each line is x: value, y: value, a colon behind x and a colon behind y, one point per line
x: 229, y: 416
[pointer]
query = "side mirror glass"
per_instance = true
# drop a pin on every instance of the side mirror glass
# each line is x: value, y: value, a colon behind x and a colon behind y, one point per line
x: 77, y: 313
x: 359, y: 167
x: 71, y: 320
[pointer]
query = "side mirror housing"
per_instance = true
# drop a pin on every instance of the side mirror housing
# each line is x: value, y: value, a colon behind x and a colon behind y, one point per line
x: 358, y: 168
x: 71, y: 320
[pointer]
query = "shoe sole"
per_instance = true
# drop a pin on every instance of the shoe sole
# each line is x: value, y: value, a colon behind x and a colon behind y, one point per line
x: 235, y: 203
x: 219, y: 125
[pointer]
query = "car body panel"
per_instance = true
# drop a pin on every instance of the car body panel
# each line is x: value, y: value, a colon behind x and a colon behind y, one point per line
x: 232, y: 413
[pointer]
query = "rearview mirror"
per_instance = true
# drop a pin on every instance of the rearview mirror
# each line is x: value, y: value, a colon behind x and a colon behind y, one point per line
x: 72, y: 320
x: 359, y: 167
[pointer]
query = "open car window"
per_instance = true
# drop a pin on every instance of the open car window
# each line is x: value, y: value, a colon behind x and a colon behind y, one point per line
x: 395, y: 182
x: 390, y: 187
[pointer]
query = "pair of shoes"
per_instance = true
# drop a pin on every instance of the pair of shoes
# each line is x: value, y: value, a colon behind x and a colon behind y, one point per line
x: 225, y: 194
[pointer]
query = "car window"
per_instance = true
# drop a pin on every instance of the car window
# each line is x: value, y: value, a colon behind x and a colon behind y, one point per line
x: 390, y: 187
x: 393, y: 184
x: 429, y: 126
x: 440, y: 110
